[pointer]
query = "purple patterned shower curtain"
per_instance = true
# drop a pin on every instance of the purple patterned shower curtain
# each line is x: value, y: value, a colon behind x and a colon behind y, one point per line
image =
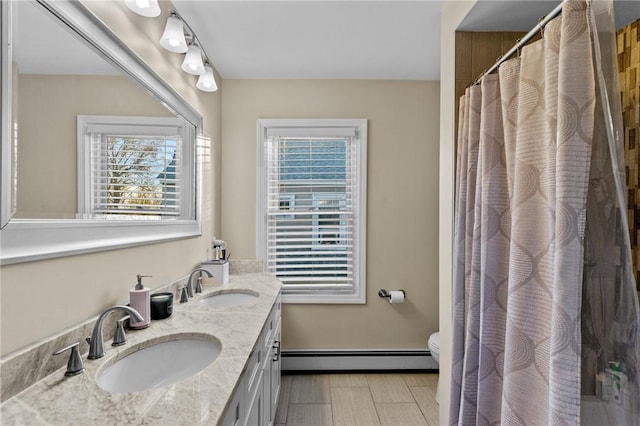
x: 526, y: 195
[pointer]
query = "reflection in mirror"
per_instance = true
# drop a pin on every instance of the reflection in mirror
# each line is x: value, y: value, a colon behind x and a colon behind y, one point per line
x: 98, y: 151
x: 58, y: 78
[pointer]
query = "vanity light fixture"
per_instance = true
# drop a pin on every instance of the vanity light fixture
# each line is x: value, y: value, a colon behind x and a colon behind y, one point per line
x: 192, y: 63
x: 206, y: 81
x: 147, y: 8
x: 173, y: 38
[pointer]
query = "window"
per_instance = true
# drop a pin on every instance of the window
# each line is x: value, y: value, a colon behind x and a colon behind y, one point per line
x: 312, y: 207
x: 134, y: 167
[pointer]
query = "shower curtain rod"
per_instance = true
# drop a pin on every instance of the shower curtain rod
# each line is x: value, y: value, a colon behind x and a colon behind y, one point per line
x: 524, y: 40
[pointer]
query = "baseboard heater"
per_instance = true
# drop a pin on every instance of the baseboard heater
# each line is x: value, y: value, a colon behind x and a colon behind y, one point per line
x: 312, y: 360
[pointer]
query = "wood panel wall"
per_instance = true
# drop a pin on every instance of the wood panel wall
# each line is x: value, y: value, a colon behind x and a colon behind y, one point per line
x: 476, y: 52
x: 628, y: 44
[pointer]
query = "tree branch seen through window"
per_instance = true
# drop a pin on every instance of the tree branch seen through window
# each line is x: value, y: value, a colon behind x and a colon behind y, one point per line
x: 140, y: 173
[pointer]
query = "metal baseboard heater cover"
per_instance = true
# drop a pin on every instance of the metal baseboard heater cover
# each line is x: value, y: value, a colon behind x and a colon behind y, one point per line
x: 357, y: 360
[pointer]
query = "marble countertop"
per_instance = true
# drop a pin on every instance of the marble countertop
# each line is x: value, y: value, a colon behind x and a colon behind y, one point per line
x: 199, y: 399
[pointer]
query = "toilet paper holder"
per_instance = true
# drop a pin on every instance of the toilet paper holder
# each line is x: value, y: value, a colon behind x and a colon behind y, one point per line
x: 384, y: 293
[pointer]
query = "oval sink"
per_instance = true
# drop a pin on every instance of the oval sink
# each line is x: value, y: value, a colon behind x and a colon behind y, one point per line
x: 160, y: 364
x: 233, y: 298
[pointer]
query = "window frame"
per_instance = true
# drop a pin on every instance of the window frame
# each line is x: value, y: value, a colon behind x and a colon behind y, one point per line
x: 151, y: 126
x: 357, y: 295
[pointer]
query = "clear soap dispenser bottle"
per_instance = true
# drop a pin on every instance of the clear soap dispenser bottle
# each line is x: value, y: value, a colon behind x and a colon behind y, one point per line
x: 140, y: 300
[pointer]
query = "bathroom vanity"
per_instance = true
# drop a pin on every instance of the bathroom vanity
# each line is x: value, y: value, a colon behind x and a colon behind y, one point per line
x: 255, y: 399
x: 240, y: 387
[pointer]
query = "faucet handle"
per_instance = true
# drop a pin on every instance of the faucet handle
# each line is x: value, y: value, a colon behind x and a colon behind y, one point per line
x: 119, y: 338
x: 74, y: 366
x: 184, y: 295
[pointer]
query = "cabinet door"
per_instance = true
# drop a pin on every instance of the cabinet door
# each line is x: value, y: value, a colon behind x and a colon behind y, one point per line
x: 235, y: 412
x: 275, y: 378
x: 255, y: 413
x: 266, y: 393
x: 271, y: 365
x: 275, y: 362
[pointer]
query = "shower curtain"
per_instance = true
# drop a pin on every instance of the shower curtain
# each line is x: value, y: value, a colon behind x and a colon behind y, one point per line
x: 539, y: 202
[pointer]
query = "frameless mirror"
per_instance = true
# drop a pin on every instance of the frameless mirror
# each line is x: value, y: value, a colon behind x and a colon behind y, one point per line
x: 98, y: 152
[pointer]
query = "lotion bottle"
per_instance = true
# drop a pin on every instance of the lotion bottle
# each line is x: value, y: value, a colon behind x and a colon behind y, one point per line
x: 140, y: 300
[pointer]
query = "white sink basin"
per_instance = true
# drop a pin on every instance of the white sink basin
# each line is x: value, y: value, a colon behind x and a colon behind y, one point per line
x: 233, y: 298
x: 158, y: 365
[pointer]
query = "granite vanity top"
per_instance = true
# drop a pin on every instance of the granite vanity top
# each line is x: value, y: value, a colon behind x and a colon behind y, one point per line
x: 199, y: 399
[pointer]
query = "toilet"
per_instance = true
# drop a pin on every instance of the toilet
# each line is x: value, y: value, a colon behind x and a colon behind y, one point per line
x: 434, y: 348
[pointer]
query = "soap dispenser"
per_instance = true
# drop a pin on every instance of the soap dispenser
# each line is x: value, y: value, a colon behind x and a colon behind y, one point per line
x: 140, y: 300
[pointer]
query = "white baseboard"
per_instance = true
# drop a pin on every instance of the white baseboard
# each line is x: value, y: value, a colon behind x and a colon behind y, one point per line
x: 355, y: 360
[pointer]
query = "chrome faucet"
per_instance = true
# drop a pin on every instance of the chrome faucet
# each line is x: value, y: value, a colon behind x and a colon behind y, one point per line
x: 96, y: 343
x: 195, y: 271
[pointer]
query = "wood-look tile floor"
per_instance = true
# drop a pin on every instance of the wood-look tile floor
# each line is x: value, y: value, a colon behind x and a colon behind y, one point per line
x: 358, y: 399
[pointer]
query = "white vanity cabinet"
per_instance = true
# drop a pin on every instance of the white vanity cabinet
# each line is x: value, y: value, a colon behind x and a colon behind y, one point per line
x: 255, y: 400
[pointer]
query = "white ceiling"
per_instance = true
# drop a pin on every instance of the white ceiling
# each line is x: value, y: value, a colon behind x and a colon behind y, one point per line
x: 305, y: 39
x: 396, y: 40
x: 367, y: 39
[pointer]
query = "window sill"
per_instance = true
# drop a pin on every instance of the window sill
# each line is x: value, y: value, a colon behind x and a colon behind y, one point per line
x: 31, y: 240
x: 318, y: 298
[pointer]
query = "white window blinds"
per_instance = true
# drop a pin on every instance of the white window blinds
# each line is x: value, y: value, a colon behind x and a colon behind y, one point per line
x: 313, y: 208
x: 134, y: 169
x: 136, y: 174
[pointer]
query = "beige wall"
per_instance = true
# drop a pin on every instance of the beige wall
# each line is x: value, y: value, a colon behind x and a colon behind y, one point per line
x: 47, y: 151
x: 452, y: 15
x: 39, y: 299
x: 402, y: 222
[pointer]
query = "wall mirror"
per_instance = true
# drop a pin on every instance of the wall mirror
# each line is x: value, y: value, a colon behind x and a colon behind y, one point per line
x: 98, y: 152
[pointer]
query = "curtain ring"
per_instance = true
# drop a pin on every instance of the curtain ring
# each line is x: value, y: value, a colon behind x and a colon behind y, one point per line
x: 518, y: 47
x: 541, y: 27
